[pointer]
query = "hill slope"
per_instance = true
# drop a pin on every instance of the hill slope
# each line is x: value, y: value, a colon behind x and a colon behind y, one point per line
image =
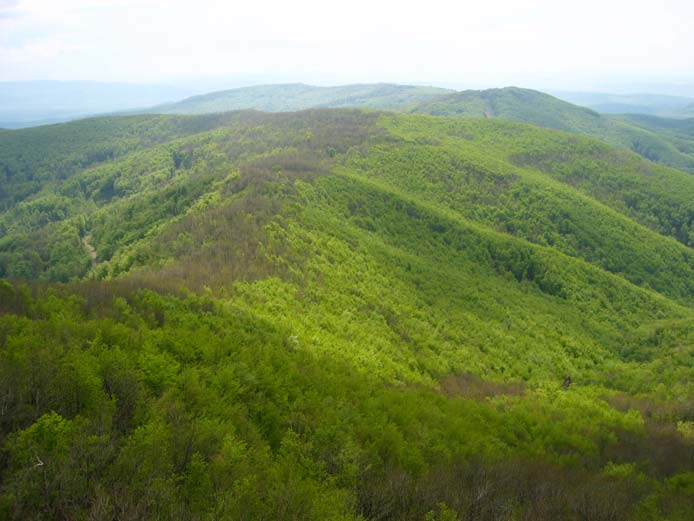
x: 297, y: 96
x: 514, y: 104
x: 527, y: 106
x: 31, y: 158
x: 510, y: 103
x: 331, y: 314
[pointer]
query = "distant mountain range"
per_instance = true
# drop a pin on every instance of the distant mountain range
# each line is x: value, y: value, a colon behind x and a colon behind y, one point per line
x: 31, y: 103
x: 297, y: 96
x: 652, y: 104
x: 668, y: 141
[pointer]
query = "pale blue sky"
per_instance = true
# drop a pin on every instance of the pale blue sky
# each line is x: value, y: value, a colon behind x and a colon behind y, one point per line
x: 550, y: 43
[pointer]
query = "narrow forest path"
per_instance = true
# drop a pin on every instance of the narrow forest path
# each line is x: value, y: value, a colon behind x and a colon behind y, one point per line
x: 90, y: 249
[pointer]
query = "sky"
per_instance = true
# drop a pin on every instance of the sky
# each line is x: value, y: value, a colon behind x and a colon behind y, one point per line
x: 534, y: 43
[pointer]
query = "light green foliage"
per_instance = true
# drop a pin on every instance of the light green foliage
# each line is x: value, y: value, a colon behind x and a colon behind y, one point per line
x: 347, y: 315
x: 666, y: 141
x: 662, y: 140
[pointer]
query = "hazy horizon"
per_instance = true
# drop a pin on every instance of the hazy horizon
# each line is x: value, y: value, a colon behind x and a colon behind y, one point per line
x: 619, y: 47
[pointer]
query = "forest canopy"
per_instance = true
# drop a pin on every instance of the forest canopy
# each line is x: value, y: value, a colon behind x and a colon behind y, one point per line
x: 338, y: 314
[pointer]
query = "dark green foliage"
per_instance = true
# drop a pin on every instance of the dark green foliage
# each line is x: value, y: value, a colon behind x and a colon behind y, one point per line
x: 32, y: 158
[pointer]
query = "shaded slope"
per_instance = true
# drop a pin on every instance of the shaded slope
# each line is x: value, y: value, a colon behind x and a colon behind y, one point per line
x: 537, y: 108
x: 680, y: 132
x: 31, y: 158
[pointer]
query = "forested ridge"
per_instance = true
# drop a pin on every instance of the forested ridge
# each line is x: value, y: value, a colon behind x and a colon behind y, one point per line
x: 662, y: 140
x: 298, y: 96
x: 668, y: 141
x: 338, y: 314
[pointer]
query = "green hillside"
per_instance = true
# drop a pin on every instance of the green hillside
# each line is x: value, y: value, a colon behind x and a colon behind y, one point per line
x: 338, y: 314
x: 31, y: 158
x: 659, y: 139
x: 512, y: 103
x: 680, y: 132
x: 297, y: 96
x: 667, y: 141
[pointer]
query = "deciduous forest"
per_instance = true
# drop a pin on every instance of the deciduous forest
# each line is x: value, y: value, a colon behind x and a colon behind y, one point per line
x: 340, y: 314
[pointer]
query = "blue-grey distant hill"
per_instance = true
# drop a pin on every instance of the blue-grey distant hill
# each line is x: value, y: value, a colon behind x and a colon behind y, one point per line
x: 31, y: 103
x: 651, y: 104
x: 297, y: 96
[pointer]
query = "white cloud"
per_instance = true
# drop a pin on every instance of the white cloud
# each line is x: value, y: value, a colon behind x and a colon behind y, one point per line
x: 492, y: 42
x: 35, y: 51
